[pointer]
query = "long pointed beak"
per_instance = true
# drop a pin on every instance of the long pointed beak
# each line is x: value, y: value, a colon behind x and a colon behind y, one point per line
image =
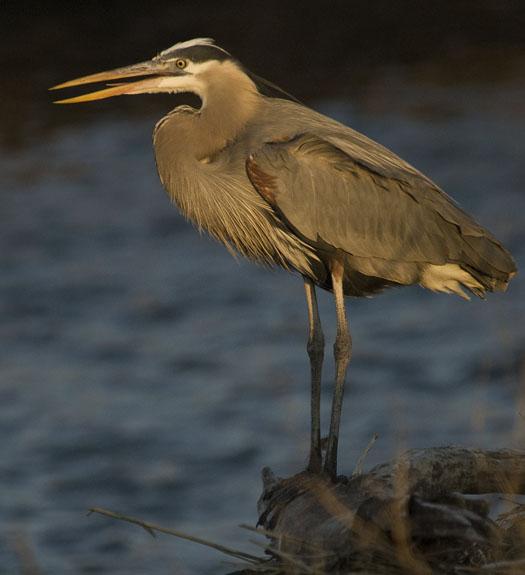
x: 151, y: 68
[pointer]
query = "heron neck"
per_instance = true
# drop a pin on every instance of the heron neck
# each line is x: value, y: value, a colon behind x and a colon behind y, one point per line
x: 229, y: 102
x: 228, y: 105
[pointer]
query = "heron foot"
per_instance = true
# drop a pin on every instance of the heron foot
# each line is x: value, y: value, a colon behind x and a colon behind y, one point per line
x: 315, y: 462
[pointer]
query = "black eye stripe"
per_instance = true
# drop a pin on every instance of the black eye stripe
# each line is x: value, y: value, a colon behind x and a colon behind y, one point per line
x: 198, y: 54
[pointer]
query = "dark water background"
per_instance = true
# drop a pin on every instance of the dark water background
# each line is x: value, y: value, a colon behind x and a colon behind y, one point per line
x: 143, y: 369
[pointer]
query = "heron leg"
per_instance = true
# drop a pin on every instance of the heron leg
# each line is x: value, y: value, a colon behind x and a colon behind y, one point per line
x: 342, y: 354
x: 315, y: 349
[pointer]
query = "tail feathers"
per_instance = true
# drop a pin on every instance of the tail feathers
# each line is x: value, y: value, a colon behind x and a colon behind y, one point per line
x: 486, y: 260
x: 491, y: 283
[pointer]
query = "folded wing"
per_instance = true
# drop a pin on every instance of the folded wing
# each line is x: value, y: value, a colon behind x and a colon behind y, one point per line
x: 390, y: 223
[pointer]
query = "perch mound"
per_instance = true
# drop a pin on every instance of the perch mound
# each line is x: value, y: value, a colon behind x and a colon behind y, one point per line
x: 426, y: 512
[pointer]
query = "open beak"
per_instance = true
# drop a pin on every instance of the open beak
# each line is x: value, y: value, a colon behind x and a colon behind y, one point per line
x: 150, y: 68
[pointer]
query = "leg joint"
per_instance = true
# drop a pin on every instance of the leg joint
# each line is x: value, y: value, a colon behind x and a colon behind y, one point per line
x: 315, y: 345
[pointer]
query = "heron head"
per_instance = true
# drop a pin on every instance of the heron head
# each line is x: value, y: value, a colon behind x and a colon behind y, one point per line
x: 185, y: 67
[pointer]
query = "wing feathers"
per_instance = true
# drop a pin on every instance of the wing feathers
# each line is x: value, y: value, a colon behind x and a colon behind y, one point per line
x: 390, y: 225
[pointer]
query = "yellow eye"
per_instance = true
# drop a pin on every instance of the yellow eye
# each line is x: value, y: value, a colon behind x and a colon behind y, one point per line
x: 180, y: 63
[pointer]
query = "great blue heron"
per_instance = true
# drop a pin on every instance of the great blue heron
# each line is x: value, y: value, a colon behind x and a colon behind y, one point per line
x: 284, y: 185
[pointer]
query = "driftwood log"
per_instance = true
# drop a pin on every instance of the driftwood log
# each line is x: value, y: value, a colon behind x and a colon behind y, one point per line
x: 421, y: 513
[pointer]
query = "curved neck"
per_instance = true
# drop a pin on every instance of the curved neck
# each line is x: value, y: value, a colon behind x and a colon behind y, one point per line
x: 229, y: 100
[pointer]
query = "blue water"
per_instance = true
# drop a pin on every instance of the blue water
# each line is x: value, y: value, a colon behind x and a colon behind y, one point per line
x: 144, y: 370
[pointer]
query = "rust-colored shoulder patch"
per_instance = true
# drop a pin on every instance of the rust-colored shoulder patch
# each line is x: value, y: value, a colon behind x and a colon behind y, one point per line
x: 264, y: 183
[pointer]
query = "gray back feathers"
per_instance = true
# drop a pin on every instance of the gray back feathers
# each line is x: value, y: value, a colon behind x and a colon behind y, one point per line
x: 389, y: 227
